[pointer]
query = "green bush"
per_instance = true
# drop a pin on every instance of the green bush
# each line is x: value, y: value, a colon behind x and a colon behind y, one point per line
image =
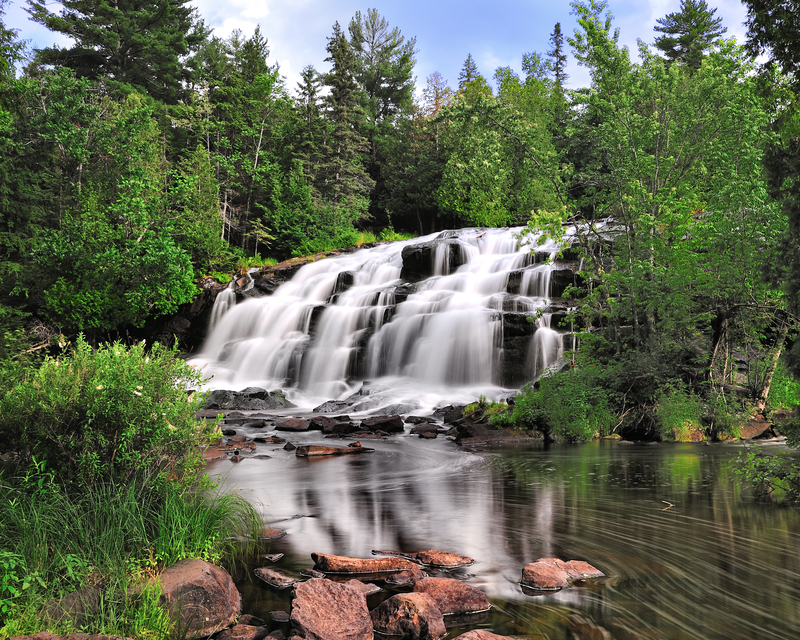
x: 775, y: 477
x: 570, y: 404
x: 784, y: 391
x: 678, y: 414
x: 93, y: 415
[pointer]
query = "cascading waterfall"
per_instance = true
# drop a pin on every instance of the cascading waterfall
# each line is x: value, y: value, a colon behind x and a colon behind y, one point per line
x: 443, y: 317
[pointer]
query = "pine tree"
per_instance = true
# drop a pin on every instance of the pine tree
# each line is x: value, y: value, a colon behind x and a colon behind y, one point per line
x: 130, y: 42
x: 558, y: 59
x: 346, y: 180
x: 311, y: 129
x: 689, y: 32
x: 469, y: 72
x: 773, y: 26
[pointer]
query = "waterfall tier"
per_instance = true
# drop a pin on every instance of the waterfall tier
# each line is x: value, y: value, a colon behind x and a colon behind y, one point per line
x: 447, y: 316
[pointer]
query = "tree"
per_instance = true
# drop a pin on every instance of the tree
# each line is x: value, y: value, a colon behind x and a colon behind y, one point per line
x: 347, y: 183
x: 773, y: 26
x: 688, y: 33
x: 558, y: 59
x: 468, y: 73
x: 141, y: 43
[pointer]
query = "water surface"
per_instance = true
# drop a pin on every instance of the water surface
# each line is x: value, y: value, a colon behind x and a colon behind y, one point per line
x: 717, y: 564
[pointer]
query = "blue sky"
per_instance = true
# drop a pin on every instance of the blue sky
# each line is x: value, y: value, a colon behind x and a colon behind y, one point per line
x: 496, y: 33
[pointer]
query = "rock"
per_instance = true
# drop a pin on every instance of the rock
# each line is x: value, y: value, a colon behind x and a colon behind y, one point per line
x: 452, y: 596
x: 406, y: 578
x: 271, y: 534
x: 328, y: 563
x: 756, y: 428
x: 75, y: 607
x: 389, y: 424
x: 200, y: 597
x: 280, y: 616
x: 428, y: 435
x: 546, y: 575
x: 425, y: 427
x: 42, y: 635
x: 431, y: 558
x: 580, y: 570
x: 409, y: 615
x: 582, y: 629
x: 322, y: 423
x: 243, y: 632
x: 332, y: 406
x: 84, y: 636
x: 273, y: 557
x: 251, y: 399
x: 416, y: 420
x: 293, y: 424
x: 236, y: 458
x: 274, y: 578
x: 393, y: 409
x: 326, y: 610
x: 289, y: 446
x: 228, y: 432
x: 367, y: 588
x: 311, y: 573
x: 313, y: 450
x: 280, y: 635
x: 253, y: 621
x: 481, y: 634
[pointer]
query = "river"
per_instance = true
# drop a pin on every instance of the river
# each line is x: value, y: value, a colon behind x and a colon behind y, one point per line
x: 688, y: 553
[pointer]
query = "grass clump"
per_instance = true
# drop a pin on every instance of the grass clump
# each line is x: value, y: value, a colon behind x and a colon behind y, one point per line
x: 103, y: 488
x: 678, y: 415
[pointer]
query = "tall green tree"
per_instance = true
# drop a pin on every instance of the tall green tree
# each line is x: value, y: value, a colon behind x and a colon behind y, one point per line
x: 558, y: 57
x: 141, y: 43
x: 688, y: 33
x: 773, y: 27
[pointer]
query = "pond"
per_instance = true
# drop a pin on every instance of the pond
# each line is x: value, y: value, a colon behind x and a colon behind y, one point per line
x: 687, y: 553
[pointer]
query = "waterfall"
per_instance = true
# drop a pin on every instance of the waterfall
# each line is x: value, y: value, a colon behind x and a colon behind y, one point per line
x: 442, y: 316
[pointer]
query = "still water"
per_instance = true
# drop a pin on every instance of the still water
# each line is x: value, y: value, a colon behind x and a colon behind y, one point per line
x: 718, y: 564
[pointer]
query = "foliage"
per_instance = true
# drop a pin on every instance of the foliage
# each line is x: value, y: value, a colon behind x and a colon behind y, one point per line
x: 689, y: 32
x: 570, y: 405
x: 94, y: 415
x: 776, y: 477
x: 678, y: 415
x: 773, y: 26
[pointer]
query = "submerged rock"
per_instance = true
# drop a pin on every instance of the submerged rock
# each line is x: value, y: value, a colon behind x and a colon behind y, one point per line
x: 481, y: 634
x: 409, y: 615
x: 326, y: 610
x: 244, y: 632
x: 252, y: 398
x: 274, y: 578
x: 452, y: 596
x: 313, y: 450
x: 551, y: 574
x: 406, y: 578
x: 431, y: 558
x: 329, y: 563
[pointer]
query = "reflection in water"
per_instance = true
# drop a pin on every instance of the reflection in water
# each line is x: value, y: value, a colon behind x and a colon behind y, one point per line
x: 716, y: 565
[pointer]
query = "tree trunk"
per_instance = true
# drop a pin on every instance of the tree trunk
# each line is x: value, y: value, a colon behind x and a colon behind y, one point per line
x: 771, y: 366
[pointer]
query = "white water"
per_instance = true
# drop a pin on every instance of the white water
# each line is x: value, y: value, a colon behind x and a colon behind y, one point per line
x: 443, y: 342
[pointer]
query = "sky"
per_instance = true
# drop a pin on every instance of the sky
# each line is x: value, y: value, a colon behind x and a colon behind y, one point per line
x: 497, y: 34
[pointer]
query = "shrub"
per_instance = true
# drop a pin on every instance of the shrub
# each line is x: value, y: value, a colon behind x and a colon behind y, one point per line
x: 678, y: 415
x: 107, y: 413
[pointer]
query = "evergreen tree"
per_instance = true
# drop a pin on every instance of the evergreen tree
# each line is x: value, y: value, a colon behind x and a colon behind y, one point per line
x: 773, y: 26
x: 311, y: 127
x: 346, y: 180
x: 468, y: 73
x: 688, y: 33
x: 558, y: 59
x: 140, y: 43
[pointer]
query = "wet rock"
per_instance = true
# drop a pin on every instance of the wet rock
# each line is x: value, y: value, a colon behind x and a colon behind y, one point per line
x: 312, y: 573
x: 406, y: 578
x: 560, y: 279
x: 200, y: 597
x: 416, y: 420
x: 313, y: 450
x: 344, y: 280
x: 428, y: 435
x: 81, y: 636
x: 394, y: 409
x: 228, y: 432
x: 289, y: 446
x: 329, y: 563
x: 409, y: 615
x: 367, y: 588
x: 757, y: 427
x: 431, y: 558
x: 271, y: 534
x: 273, y: 557
x: 582, y: 629
x: 253, y: 621
x: 280, y: 635
x: 425, y: 427
x: 274, y: 578
x: 389, y: 424
x: 75, y: 607
x: 322, y: 423
x: 280, y: 616
x: 326, y: 610
x: 332, y: 406
x: 293, y: 424
x: 452, y: 596
x: 481, y: 634
x: 580, y: 570
x: 450, y: 413
x: 42, y: 635
x: 254, y: 424
x: 243, y: 632
x: 544, y: 575
x: 236, y: 458
x: 252, y: 398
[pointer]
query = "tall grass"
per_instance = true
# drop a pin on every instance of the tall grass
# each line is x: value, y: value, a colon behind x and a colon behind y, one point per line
x: 113, y: 537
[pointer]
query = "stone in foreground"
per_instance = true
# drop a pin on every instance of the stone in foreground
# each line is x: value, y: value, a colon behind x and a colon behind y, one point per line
x: 551, y: 574
x: 274, y: 578
x: 431, y: 558
x: 452, y: 596
x: 200, y: 597
x: 243, y: 632
x: 412, y: 616
x: 327, y: 610
x: 312, y: 450
x: 328, y: 563
x: 367, y: 588
x: 406, y: 578
x: 481, y: 634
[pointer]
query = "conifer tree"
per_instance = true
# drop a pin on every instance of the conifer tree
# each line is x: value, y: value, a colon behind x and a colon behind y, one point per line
x: 688, y: 33
x: 558, y: 59
x: 469, y: 72
x: 346, y: 181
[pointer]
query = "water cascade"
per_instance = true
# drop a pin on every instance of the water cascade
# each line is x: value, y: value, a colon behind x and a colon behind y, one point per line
x: 442, y: 317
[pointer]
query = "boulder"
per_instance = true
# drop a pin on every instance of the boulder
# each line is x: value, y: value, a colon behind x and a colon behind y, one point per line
x: 313, y: 450
x: 243, y: 632
x: 545, y: 575
x: 274, y: 578
x: 200, y: 597
x: 409, y: 615
x: 293, y: 424
x: 75, y: 607
x: 416, y: 420
x: 326, y: 610
x: 452, y: 596
x: 481, y: 634
x: 42, y: 635
x: 428, y: 435
x: 252, y: 621
x: 406, y: 578
x: 425, y: 427
x: 271, y: 534
x: 389, y: 424
x: 251, y: 399
x: 431, y: 558
x: 329, y: 563
x: 367, y: 588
